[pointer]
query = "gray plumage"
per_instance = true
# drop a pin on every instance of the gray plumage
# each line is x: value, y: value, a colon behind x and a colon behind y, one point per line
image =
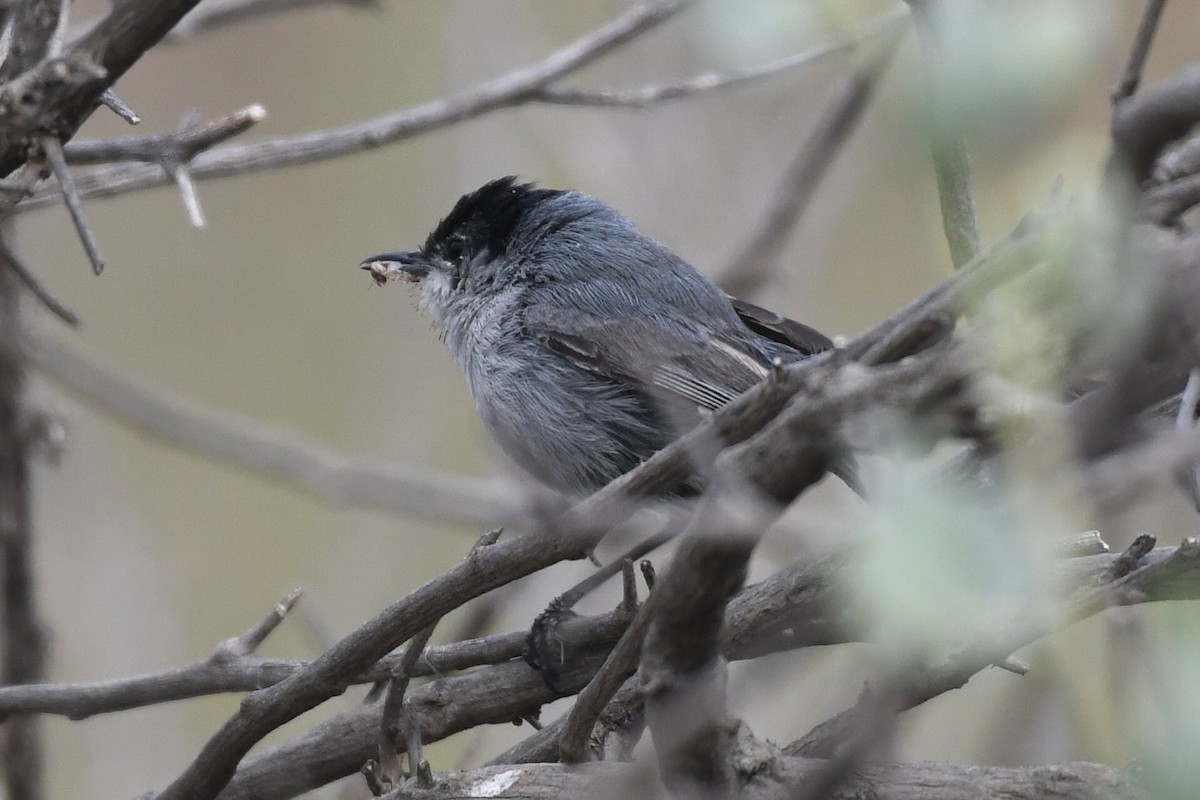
x: 587, y: 345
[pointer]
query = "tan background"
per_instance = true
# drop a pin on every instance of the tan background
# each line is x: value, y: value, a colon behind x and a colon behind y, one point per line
x: 148, y: 557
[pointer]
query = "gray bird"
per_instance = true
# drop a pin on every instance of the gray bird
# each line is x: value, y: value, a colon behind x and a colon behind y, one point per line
x: 587, y: 345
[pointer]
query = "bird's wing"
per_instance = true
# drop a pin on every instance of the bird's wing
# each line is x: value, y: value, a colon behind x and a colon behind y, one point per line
x: 778, y: 328
x: 704, y: 368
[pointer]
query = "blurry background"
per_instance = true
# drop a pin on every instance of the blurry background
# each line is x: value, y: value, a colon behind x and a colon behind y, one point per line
x: 148, y: 556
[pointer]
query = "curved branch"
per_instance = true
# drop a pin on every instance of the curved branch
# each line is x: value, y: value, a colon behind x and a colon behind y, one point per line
x: 272, y: 453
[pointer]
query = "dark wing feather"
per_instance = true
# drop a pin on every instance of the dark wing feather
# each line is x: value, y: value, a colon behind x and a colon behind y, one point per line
x: 704, y: 369
x: 780, y: 329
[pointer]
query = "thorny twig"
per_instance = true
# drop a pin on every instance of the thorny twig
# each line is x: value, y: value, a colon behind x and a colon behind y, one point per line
x: 66, y: 182
x: 249, y: 642
x: 119, y: 107
x: 172, y: 151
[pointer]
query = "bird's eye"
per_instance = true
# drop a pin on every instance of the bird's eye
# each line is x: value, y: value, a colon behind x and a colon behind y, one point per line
x: 455, y: 247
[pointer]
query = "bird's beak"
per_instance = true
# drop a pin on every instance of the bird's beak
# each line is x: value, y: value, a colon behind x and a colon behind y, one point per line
x: 405, y: 265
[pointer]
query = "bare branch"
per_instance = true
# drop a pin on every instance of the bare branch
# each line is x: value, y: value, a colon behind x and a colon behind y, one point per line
x: 248, y: 672
x: 172, y: 151
x: 682, y: 672
x: 812, y: 590
x: 794, y: 608
x: 445, y: 706
x: 512, y: 89
x: 272, y: 453
x: 1115, y: 480
x: 58, y: 165
x: 265, y: 710
x: 1132, y: 75
x: 759, y: 256
x: 795, y: 449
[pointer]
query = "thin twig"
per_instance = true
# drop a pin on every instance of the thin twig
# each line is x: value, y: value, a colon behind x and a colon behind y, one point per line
x: 646, y: 96
x: 58, y: 165
x: 390, y: 726
x: 36, y: 287
x: 1132, y: 75
x: 757, y: 259
x: 950, y: 160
